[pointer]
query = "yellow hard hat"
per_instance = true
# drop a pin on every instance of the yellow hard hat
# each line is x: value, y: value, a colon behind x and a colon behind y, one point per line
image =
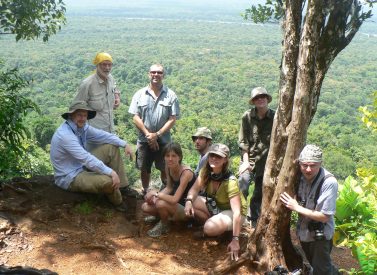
x: 100, y: 57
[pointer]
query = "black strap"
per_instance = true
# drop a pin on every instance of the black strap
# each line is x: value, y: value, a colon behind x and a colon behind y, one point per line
x: 319, y: 187
x: 180, y: 175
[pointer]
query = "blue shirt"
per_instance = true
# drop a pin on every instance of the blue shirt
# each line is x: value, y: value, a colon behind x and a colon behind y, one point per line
x: 154, y: 112
x: 69, y: 156
x: 326, y: 204
x: 202, y: 161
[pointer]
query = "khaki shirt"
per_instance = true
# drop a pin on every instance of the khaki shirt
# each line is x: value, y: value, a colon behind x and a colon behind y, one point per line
x: 254, y: 137
x: 99, y: 94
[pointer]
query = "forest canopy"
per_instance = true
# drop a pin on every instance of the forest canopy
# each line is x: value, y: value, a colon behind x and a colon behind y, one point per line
x: 212, y: 64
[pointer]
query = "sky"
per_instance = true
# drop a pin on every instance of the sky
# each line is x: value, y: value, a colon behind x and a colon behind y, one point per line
x: 231, y: 7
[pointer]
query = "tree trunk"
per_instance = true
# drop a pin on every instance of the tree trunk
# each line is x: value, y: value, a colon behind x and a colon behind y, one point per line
x: 308, y: 51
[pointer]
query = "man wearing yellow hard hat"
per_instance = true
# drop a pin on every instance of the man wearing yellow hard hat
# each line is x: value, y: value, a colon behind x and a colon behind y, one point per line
x: 99, y: 91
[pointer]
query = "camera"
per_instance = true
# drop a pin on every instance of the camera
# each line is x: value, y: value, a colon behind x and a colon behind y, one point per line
x: 317, y: 227
x: 212, y: 206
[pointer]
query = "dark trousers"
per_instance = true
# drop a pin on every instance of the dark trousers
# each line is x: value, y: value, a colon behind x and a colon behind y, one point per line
x: 318, y: 255
x: 256, y: 199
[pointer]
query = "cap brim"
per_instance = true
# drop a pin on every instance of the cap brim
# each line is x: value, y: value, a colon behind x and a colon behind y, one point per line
x: 218, y: 153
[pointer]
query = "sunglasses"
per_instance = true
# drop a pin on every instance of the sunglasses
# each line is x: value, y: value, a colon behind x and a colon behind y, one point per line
x: 156, y: 72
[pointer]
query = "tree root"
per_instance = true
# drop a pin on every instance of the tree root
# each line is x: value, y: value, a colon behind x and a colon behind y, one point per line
x: 228, y: 265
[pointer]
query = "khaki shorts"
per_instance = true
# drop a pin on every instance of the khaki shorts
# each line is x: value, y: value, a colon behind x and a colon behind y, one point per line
x: 227, y: 217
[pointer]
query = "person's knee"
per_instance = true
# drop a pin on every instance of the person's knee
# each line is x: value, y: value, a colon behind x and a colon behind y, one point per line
x: 161, y: 205
x: 212, y: 228
x: 145, y: 207
x: 108, y: 188
x: 110, y: 149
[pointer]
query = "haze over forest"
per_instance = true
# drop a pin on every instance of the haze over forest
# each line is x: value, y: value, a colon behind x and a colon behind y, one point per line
x: 213, y: 59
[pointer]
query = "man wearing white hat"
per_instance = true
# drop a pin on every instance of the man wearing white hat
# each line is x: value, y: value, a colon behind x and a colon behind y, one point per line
x: 315, y: 205
x: 254, y: 142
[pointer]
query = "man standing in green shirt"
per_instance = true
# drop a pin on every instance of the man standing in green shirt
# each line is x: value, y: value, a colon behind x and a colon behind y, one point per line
x: 254, y: 142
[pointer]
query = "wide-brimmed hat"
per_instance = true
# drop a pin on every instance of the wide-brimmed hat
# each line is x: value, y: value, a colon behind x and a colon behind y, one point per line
x: 219, y: 149
x: 79, y: 105
x: 257, y: 92
x: 202, y: 132
x: 310, y: 153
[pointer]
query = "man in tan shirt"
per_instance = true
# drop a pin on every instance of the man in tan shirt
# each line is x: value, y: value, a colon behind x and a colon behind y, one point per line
x: 100, y: 93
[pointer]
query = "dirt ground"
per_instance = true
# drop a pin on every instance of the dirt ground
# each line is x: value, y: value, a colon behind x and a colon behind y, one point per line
x: 44, y: 227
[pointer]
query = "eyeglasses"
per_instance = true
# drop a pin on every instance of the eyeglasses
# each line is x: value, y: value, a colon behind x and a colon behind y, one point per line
x: 156, y: 72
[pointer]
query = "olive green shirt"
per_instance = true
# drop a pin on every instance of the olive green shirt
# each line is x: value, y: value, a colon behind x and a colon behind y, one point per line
x: 254, y: 137
x: 99, y: 94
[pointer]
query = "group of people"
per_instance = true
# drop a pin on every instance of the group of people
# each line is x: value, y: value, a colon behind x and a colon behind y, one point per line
x: 85, y: 153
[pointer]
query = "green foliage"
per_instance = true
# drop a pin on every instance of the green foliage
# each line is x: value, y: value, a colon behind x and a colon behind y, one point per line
x: 271, y: 11
x: 29, y: 19
x: 44, y: 128
x: 369, y: 115
x: 212, y: 80
x: 356, y: 219
x: 340, y: 161
x: 13, y: 133
x: 14, y: 107
x: 33, y: 160
x: 366, y: 252
x: 84, y: 208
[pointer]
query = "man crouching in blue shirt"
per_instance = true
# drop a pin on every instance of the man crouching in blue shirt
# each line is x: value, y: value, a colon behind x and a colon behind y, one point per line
x: 77, y: 170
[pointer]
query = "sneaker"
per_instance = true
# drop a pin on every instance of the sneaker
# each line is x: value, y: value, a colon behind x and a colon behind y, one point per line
x: 151, y: 219
x: 122, y: 207
x: 158, y: 230
x: 129, y: 192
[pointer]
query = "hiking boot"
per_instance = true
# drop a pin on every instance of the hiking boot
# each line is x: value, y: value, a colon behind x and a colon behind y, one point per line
x: 158, y: 230
x: 122, y: 207
x: 129, y: 192
x: 151, y: 219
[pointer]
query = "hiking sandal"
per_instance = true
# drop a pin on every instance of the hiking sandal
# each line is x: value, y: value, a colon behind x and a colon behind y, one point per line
x: 158, y: 230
